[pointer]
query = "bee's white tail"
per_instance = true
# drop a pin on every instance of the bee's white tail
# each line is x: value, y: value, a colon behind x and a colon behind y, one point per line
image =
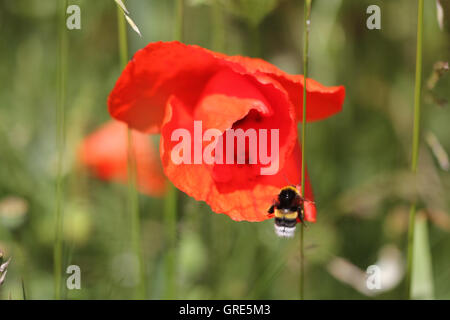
x: 284, y: 232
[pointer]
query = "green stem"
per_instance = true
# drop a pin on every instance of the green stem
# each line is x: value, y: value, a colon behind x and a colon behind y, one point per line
x: 307, y: 20
x: 133, y: 197
x: 255, y: 43
x: 60, y: 142
x: 411, y: 227
x: 218, y: 34
x: 179, y: 22
x: 122, y: 38
x: 415, y: 145
x: 170, y: 223
x: 170, y: 200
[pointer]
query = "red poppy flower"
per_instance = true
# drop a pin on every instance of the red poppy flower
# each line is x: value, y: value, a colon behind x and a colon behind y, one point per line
x: 105, y: 153
x: 168, y: 86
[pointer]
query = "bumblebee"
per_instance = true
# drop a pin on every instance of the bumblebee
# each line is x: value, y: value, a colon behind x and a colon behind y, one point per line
x: 287, y: 208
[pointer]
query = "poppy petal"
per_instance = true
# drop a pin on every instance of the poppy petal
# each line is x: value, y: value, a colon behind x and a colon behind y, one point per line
x: 227, y: 98
x: 105, y: 153
x: 162, y: 69
x: 247, y: 104
x: 248, y: 203
x: 322, y: 101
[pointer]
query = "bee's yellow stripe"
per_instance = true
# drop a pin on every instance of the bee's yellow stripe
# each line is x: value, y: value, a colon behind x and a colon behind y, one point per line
x: 290, y: 215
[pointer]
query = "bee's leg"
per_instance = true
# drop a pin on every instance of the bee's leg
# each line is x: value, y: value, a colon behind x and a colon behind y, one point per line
x: 300, y: 216
x: 272, y: 207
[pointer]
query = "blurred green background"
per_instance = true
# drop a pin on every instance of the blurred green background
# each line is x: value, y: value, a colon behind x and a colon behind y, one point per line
x: 358, y: 160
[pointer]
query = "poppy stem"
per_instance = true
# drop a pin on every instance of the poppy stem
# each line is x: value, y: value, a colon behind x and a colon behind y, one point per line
x: 307, y: 21
x: 170, y: 200
x: 60, y: 142
x: 415, y: 144
x: 133, y: 197
x: 170, y: 222
x: 179, y: 22
x: 218, y: 34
